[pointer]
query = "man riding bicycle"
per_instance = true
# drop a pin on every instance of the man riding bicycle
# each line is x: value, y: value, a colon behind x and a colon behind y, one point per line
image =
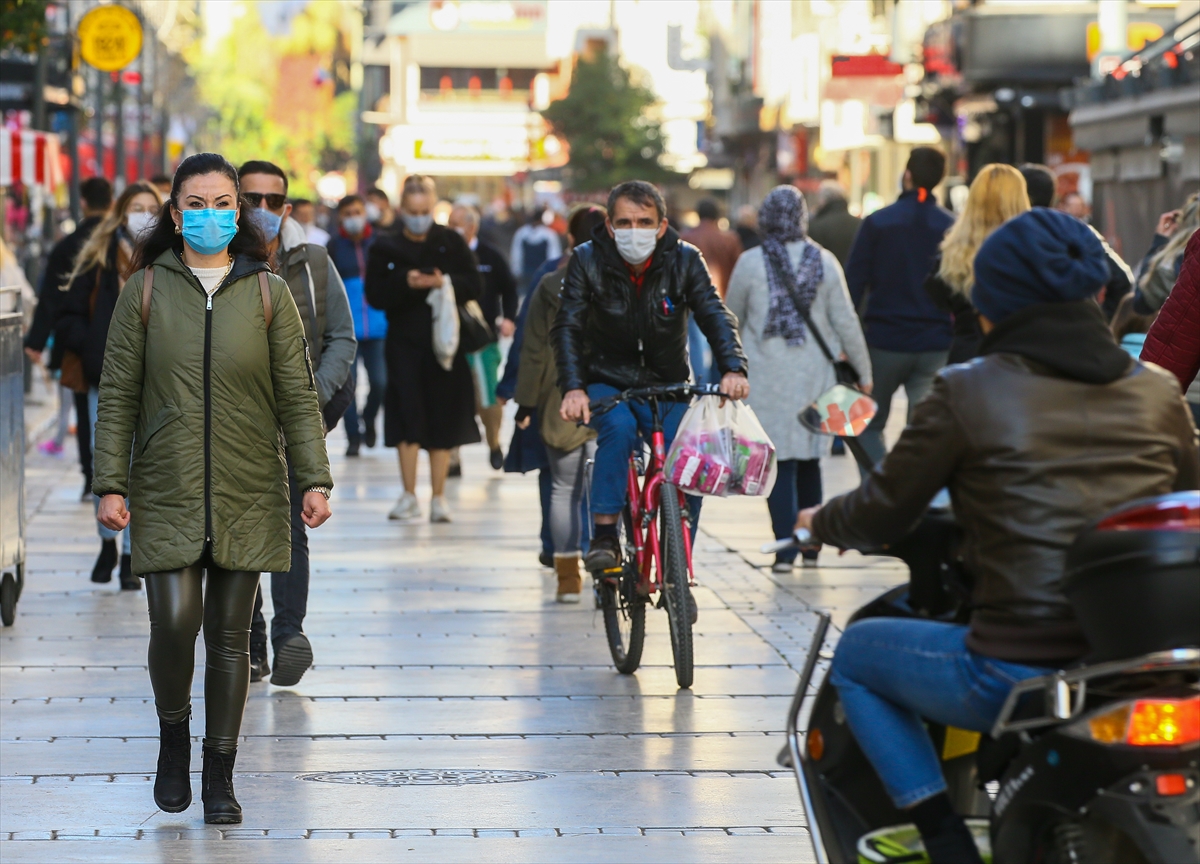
x: 623, y: 323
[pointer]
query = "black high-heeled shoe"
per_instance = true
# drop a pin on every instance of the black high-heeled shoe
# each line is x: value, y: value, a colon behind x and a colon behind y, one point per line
x: 105, y: 562
x: 216, y: 788
x: 173, y: 783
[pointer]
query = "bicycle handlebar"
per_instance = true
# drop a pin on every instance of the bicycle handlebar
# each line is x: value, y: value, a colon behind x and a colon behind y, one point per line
x: 601, y: 406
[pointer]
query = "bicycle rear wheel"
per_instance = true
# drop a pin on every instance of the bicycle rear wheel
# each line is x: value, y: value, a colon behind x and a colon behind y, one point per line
x: 623, y: 607
x: 675, y: 588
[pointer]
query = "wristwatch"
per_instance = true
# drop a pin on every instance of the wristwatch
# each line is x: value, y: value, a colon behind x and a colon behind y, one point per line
x: 324, y: 490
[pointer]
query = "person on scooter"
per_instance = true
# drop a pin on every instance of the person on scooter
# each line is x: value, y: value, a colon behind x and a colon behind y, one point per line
x: 623, y: 322
x: 1050, y: 428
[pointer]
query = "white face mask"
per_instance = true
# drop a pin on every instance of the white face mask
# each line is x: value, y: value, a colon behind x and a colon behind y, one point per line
x: 636, y: 244
x: 139, y: 223
x: 373, y: 212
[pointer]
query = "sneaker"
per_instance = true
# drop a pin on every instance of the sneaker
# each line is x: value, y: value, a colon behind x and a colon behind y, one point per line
x: 782, y: 566
x: 50, y: 448
x: 406, y: 509
x: 497, y: 459
x: 439, y: 512
x: 605, y: 554
x: 259, y: 667
x: 808, y: 555
x: 86, y: 495
x: 352, y: 448
x: 369, y: 435
x: 293, y: 656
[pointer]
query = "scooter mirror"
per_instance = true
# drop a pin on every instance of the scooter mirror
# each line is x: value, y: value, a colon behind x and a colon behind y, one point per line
x: 840, y: 410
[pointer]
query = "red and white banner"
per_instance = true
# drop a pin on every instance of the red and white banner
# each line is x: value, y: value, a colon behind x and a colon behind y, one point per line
x: 30, y: 158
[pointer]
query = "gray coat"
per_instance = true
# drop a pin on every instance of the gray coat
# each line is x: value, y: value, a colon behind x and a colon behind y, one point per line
x: 783, y: 378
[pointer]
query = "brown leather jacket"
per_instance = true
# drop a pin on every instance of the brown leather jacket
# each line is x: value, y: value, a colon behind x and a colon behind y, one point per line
x: 1046, y: 432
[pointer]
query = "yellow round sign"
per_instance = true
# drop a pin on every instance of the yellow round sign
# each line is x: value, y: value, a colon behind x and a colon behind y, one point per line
x: 110, y: 37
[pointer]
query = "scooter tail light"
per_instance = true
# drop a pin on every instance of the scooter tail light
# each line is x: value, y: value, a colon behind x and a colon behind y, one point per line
x: 1176, y: 514
x: 1144, y: 723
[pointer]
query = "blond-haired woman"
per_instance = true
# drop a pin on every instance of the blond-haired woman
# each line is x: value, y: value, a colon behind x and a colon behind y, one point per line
x: 997, y: 194
x: 100, y: 272
x: 1158, y: 270
x: 425, y: 406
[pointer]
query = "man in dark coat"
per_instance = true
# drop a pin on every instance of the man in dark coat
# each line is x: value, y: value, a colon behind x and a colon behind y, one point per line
x: 97, y: 197
x: 627, y: 298
x: 833, y: 226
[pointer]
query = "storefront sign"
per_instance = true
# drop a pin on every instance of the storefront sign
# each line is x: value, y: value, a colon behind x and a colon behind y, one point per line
x: 110, y: 37
x: 472, y: 148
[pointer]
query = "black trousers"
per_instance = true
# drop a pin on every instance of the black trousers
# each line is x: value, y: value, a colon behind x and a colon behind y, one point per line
x: 289, y: 591
x: 180, y: 603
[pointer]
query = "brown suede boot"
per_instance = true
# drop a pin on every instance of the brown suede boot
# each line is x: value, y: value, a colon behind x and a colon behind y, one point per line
x: 570, y: 583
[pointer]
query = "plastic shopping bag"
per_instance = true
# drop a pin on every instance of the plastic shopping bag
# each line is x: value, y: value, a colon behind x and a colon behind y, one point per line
x: 721, y: 450
x: 445, y: 323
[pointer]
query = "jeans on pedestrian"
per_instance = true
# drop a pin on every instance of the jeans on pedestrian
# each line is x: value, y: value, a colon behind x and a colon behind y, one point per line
x: 915, y: 370
x: 105, y: 533
x: 617, y: 437
x: 568, y: 470
x: 892, y: 672
x: 545, y: 493
x: 370, y: 352
x: 700, y: 355
x: 289, y: 591
x: 797, y: 485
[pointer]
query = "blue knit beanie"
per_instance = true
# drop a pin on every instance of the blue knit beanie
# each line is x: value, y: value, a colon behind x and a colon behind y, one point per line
x: 1041, y: 256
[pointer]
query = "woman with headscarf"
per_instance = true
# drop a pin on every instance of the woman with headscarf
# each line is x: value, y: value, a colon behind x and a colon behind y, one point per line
x: 777, y: 291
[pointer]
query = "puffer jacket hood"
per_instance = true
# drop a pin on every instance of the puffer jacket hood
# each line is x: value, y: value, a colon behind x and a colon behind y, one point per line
x: 204, y: 398
x: 609, y: 331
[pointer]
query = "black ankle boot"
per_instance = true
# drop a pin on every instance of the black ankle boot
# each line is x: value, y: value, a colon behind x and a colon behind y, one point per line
x: 216, y: 788
x: 106, y: 561
x: 129, y: 582
x: 173, y: 785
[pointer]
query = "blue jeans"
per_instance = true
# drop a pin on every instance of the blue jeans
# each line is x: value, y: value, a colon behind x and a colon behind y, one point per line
x: 370, y: 352
x: 617, y: 437
x: 289, y: 591
x: 892, y: 672
x: 93, y: 399
x: 700, y: 355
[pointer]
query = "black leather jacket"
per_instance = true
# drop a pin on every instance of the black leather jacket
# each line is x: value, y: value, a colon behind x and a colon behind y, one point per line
x: 609, y: 332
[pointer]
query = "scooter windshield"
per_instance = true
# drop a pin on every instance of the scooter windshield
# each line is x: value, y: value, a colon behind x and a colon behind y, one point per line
x: 840, y: 410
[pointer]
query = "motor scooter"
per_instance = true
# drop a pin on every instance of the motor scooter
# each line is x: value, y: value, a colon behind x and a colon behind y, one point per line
x: 1096, y: 763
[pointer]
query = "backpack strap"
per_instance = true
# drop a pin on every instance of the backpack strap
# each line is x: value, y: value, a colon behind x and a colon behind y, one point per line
x: 147, y: 289
x: 265, y: 288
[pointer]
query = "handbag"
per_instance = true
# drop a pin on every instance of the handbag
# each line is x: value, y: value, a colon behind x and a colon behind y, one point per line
x: 474, y: 332
x: 70, y: 373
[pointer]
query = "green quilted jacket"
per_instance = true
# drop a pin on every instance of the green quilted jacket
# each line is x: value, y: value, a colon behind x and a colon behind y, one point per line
x: 207, y: 399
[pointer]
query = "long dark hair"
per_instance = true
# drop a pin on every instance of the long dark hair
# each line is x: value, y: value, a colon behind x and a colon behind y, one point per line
x: 248, y: 241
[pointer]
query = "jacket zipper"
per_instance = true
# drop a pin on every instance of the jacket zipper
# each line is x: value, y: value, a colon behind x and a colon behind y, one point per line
x: 208, y: 529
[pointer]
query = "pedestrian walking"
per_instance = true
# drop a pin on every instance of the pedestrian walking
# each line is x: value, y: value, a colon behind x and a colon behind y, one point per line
x: 833, y: 226
x: 533, y: 245
x: 205, y: 379
x: 779, y: 291
x: 568, y: 446
x: 85, y: 311
x: 426, y: 407
x: 747, y: 226
x: 320, y: 299
x: 498, y: 226
x: 1160, y: 267
x: 348, y: 250
x: 96, y: 196
x: 1042, y: 185
x: 1173, y: 341
x: 380, y: 214
x: 997, y: 194
x: 908, y: 336
x: 499, y: 304
x: 719, y: 247
x: 304, y: 214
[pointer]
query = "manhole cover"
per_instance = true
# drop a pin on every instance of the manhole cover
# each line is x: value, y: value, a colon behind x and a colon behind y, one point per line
x: 420, y: 777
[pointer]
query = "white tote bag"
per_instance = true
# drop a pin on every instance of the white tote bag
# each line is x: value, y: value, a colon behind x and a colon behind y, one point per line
x: 445, y: 323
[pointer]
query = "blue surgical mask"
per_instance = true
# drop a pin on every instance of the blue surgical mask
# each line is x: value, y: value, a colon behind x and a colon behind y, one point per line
x: 209, y: 231
x: 268, y: 223
x: 418, y: 225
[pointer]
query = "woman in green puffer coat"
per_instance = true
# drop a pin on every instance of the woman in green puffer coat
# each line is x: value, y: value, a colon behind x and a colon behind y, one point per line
x: 206, y: 381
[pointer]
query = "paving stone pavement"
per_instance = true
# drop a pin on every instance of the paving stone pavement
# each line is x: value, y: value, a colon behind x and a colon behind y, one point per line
x: 454, y: 712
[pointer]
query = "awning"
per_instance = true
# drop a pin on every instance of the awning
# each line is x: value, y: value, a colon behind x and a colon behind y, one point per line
x: 30, y: 158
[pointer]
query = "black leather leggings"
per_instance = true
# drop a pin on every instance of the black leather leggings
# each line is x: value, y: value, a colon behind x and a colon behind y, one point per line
x: 178, y: 606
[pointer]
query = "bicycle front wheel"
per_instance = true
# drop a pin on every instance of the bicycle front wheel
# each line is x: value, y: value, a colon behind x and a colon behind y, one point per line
x: 624, y: 609
x: 678, y: 594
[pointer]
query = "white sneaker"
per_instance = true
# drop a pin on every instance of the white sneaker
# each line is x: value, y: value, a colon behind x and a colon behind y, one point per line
x: 438, y: 511
x: 782, y: 567
x: 406, y: 509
